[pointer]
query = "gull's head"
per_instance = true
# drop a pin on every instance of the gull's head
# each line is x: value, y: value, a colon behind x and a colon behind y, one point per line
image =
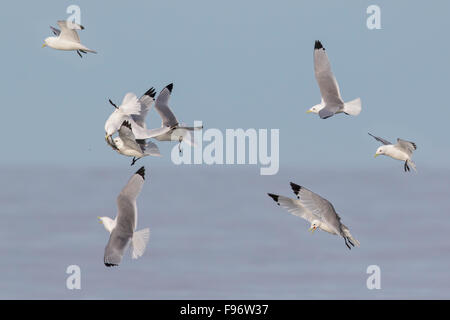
x: 108, y: 223
x: 314, y: 225
x: 315, y: 109
x: 380, y: 150
x: 48, y: 42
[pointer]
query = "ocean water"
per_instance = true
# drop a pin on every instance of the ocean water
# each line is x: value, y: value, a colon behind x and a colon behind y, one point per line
x: 215, y: 234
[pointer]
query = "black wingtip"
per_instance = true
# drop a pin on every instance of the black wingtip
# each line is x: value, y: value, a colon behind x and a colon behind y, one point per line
x: 274, y: 197
x: 150, y: 92
x: 126, y: 124
x: 110, y: 264
x: 82, y: 28
x: 296, y: 188
x: 170, y: 87
x: 318, y: 45
x: 141, y: 172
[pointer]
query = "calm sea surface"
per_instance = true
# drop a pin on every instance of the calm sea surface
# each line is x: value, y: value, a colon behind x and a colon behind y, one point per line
x: 215, y: 234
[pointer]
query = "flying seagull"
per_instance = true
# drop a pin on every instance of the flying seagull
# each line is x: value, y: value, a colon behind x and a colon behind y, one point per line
x: 127, y: 144
x: 402, y: 150
x: 177, y: 131
x: 122, y: 228
x: 329, y: 89
x: 316, y: 210
x: 67, y: 38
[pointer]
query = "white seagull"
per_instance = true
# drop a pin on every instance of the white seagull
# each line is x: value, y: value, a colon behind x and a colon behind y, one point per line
x: 122, y: 228
x: 402, y: 151
x: 67, y: 38
x: 329, y: 89
x: 316, y: 210
x: 127, y: 144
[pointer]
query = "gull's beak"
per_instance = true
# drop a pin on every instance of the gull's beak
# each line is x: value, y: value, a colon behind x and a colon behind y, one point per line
x: 99, y: 220
x: 309, y: 111
x: 376, y: 155
x: 44, y: 45
x: 312, y: 229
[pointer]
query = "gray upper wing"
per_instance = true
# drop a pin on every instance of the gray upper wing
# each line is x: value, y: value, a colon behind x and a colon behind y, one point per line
x: 383, y: 141
x: 68, y: 30
x: 294, y: 207
x: 328, y: 85
x: 117, y: 244
x: 56, y: 32
x: 408, y: 146
x: 126, y: 202
x: 127, y: 136
x: 163, y: 109
x: 318, y: 206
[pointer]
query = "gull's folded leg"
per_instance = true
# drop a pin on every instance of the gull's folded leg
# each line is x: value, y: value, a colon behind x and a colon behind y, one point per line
x: 349, y: 241
x: 345, y: 240
x: 406, y: 167
x: 79, y: 54
x: 179, y: 143
x: 134, y: 161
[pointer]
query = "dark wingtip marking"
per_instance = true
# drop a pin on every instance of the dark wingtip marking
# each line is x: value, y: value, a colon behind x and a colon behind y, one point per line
x: 296, y: 188
x: 82, y: 28
x: 150, y: 92
x: 170, y: 87
x: 414, y: 145
x: 110, y: 264
x: 274, y: 197
x: 126, y: 124
x: 141, y: 172
x: 318, y: 45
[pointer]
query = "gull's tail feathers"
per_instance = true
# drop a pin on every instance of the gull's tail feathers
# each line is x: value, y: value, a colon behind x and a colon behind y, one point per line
x: 151, y: 149
x: 349, y: 236
x: 89, y: 50
x: 353, y: 107
x: 139, y: 242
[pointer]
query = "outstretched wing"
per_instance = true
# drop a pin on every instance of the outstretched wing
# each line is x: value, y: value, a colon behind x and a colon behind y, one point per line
x: 294, y: 207
x: 328, y: 85
x: 383, y: 141
x: 163, y: 109
x: 117, y: 244
x: 408, y: 146
x: 69, y: 30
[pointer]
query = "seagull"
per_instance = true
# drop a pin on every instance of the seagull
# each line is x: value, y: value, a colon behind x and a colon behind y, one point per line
x: 122, y: 228
x: 177, y: 132
x: 316, y: 210
x: 401, y: 151
x: 67, y: 38
x: 127, y: 144
x: 329, y: 89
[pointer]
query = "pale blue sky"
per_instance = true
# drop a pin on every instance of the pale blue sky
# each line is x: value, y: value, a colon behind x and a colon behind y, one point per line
x: 234, y: 64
